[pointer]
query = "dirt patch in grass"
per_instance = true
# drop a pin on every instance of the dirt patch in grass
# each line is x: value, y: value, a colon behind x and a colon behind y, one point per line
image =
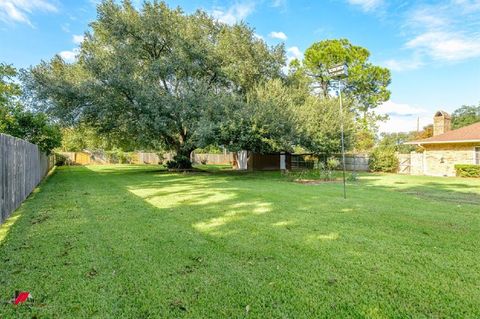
x: 445, y: 196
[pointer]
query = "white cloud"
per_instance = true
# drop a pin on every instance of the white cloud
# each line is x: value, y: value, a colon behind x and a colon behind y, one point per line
x: 69, y: 56
x: 402, y: 117
x: 78, y: 38
x: 400, y: 109
x: 366, y: 5
x: 444, y: 45
x: 278, y: 35
x: 444, y: 32
x: 234, y: 14
x: 468, y: 5
x: 403, y: 65
x: 18, y: 11
x: 427, y: 18
x: 403, y: 124
x: 292, y: 53
x: 448, y: 31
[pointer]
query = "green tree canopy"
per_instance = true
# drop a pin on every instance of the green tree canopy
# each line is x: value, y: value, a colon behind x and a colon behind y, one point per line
x: 397, y: 141
x: 154, y: 75
x: 16, y: 121
x: 264, y: 124
x: 9, y: 90
x: 465, y: 115
x: 319, y: 122
x: 82, y: 137
x: 366, y: 85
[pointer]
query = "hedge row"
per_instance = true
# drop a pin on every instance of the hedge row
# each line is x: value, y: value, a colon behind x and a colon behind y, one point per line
x: 466, y: 170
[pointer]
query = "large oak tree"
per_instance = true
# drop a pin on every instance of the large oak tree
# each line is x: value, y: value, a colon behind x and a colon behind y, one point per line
x: 155, y: 76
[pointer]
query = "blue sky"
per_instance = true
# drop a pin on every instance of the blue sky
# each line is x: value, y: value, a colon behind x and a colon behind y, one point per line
x: 432, y: 47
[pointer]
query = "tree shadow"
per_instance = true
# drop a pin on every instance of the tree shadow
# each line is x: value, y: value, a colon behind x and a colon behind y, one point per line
x: 253, y: 239
x: 446, y: 190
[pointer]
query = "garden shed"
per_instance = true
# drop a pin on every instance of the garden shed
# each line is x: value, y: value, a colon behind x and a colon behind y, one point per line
x: 251, y: 161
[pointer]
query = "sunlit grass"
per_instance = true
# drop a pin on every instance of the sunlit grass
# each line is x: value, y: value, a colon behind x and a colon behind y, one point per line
x: 5, y: 228
x: 140, y: 242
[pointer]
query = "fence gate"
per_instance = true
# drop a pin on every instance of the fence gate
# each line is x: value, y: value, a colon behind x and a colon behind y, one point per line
x: 405, y: 164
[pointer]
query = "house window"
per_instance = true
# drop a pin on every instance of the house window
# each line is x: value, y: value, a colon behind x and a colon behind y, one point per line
x: 477, y: 155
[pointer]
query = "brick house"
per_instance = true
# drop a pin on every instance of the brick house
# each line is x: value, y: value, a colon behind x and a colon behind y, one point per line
x: 446, y: 148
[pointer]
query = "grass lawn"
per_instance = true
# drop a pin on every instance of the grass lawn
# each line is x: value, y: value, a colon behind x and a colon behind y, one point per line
x: 138, y: 242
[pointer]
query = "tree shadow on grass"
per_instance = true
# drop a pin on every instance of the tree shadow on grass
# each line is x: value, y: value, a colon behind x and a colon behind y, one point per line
x: 446, y: 190
x: 208, y: 245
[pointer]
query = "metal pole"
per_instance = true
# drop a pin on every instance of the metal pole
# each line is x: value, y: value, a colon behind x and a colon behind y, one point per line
x: 343, y: 142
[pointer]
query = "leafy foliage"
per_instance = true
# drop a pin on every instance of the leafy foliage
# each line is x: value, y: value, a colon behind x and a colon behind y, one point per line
x: 179, y: 162
x: 425, y: 133
x: 366, y: 84
x: 209, y: 149
x: 16, y: 121
x: 60, y: 160
x: 465, y: 115
x: 364, y: 89
x: 83, y: 137
x: 326, y: 170
x: 364, y: 140
x: 266, y: 123
x: 397, y: 141
x: 384, y: 159
x: 466, y: 170
x: 8, y: 88
x: 319, y: 125
x: 154, y: 76
x: 157, y: 78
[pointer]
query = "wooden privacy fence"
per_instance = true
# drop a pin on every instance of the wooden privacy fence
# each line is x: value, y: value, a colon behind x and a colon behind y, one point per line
x: 353, y: 162
x: 22, y: 167
x: 100, y: 157
x: 218, y: 159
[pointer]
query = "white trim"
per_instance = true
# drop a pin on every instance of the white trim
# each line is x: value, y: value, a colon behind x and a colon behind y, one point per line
x: 283, y: 164
x: 441, y: 142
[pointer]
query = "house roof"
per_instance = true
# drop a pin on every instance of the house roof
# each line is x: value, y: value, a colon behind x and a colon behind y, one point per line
x: 470, y: 133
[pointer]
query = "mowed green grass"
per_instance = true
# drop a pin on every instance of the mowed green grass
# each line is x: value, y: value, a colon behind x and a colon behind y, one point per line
x: 139, y: 242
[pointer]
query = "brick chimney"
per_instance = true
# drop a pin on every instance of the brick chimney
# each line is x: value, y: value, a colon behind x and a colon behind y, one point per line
x: 441, y: 123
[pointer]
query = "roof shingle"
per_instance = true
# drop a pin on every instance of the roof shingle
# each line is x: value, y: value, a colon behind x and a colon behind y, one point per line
x: 470, y: 133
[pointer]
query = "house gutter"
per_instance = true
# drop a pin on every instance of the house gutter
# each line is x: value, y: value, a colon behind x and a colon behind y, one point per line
x: 441, y: 142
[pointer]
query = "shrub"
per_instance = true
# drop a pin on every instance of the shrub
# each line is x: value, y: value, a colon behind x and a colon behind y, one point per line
x: 325, y: 170
x: 353, y: 177
x: 60, y: 160
x: 332, y: 163
x: 384, y: 159
x: 179, y: 162
x: 122, y: 157
x: 467, y: 170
